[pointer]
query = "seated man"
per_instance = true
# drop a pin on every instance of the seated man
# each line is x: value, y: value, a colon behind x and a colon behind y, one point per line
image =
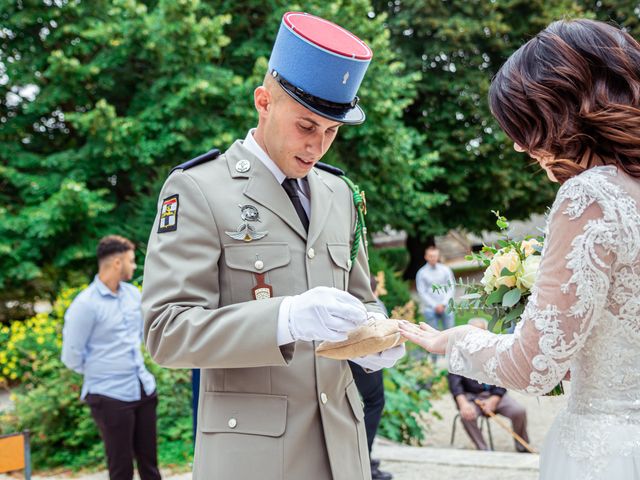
x: 465, y: 391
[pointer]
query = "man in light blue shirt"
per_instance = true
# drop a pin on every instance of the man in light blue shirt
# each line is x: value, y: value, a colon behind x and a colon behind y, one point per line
x: 434, y: 304
x: 101, y: 340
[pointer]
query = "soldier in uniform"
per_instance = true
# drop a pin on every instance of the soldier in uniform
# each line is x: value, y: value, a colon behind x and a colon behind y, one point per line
x: 250, y: 265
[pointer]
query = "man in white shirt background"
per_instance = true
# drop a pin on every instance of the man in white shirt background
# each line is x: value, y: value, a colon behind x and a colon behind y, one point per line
x: 434, y: 302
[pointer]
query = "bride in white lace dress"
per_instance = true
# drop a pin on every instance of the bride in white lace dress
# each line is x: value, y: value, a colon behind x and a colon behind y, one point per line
x: 570, y: 98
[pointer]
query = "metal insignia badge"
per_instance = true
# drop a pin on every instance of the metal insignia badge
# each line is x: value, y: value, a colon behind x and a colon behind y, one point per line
x: 245, y: 232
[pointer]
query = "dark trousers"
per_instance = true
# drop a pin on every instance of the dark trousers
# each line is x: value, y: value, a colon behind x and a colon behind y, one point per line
x: 128, y: 430
x: 371, y: 389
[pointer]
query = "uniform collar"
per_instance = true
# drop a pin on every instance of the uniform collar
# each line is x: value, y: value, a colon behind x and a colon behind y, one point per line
x: 251, y: 145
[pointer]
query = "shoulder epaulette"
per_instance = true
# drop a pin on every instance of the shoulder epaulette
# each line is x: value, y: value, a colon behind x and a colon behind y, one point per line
x: 330, y: 168
x: 205, y: 157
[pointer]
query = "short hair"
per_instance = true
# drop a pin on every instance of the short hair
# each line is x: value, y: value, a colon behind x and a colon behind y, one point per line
x: 572, y: 93
x: 113, y: 245
x: 431, y: 248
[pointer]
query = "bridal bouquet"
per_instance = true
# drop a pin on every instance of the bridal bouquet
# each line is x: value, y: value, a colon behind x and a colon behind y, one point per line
x: 511, y: 269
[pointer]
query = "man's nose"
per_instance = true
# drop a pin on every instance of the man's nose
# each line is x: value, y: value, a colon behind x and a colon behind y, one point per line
x: 315, y: 146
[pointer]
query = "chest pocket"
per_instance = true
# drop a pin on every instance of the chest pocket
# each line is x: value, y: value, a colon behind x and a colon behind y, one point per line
x: 341, y: 264
x: 246, y: 262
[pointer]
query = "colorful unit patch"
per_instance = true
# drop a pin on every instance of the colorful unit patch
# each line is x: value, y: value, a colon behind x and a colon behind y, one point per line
x: 169, y: 214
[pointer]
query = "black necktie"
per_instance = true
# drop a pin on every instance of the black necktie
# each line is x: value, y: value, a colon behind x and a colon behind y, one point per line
x: 290, y: 186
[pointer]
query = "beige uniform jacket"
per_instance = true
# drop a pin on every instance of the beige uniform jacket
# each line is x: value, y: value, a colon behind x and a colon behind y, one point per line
x: 265, y: 412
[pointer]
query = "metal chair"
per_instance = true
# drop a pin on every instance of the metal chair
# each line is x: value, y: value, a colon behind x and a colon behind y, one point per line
x: 15, y: 453
x: 483, y: 420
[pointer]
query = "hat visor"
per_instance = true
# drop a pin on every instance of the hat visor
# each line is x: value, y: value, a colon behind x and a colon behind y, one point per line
x: 348, y: 116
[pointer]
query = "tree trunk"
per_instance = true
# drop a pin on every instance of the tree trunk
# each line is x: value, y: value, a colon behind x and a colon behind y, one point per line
x: 416, y: 247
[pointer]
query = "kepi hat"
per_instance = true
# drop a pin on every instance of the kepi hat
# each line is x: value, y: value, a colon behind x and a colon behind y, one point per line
x: 320, y: 65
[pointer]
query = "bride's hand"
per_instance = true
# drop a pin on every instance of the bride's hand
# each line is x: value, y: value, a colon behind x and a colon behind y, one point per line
x: 426, y: 336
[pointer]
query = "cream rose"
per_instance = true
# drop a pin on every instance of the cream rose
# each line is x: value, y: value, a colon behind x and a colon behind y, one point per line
x: 509, y: 260
x: 528, y: 246
x: 529, y: 273
x: 488, y: 280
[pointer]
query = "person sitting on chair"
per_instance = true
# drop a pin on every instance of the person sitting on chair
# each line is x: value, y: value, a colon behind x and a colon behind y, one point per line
x: 466, y: 391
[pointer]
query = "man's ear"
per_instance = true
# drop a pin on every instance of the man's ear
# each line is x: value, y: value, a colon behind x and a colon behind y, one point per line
x: 262, y: 100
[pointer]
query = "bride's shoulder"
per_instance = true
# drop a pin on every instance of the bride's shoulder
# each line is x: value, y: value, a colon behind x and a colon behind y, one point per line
x: 597, y: 185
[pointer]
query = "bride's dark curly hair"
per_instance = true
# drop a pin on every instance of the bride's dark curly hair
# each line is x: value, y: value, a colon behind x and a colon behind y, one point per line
x: 572, y: 93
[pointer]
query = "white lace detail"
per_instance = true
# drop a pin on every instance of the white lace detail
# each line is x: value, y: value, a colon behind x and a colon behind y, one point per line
x: 583, y: 314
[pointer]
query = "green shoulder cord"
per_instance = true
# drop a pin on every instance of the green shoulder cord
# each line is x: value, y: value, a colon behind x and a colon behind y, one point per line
x: 360, y: 203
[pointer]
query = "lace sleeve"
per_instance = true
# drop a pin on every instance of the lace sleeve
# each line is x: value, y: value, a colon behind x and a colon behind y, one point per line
x: 571, y: 290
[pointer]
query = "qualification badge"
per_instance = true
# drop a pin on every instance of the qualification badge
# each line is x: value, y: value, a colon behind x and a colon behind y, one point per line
x: 246, y: 232
x: 262, y: 290
x: 169, y: 215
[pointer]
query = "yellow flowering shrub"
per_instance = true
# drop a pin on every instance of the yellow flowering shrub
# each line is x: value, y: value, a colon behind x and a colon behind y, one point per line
x: 30, y: 344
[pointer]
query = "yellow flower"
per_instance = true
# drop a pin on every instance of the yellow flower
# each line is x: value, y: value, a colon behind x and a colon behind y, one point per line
x: 528, y: 246
x: 509, y: 260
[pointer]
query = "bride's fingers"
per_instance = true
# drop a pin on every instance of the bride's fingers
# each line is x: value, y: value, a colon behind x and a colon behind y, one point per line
x: 427, y: 327
x: 407, y: 326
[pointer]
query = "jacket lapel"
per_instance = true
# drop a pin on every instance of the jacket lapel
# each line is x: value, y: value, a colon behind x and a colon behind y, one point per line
x: 262, y: 187
x: 321, y: 202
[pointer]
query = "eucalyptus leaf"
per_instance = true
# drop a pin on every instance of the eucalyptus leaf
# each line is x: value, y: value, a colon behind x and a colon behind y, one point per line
x: 514, y: 313
x: 507, y: 273
x: 511, y: 298
x: 496, y: 296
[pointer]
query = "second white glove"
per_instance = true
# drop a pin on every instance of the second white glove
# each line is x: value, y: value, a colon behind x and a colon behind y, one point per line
x: 323, y: 313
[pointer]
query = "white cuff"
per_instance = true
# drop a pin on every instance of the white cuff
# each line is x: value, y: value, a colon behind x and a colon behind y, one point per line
x: 284, y: 333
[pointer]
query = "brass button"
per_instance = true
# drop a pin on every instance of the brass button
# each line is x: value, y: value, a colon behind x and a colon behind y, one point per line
x: 259, y: 265
x: 311, y: 253
x: 232, y: 423
x: 323, y: 398
x: 243, y: 166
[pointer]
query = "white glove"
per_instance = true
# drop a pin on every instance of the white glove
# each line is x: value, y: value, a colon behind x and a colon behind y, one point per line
x: 323, y: 313
x: 378, y: 361
x: 384, y: 359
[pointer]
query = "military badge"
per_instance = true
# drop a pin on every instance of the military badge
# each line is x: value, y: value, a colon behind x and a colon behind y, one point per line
x: 246, y: 232
x: 262, y: 290
x: 169, y: 215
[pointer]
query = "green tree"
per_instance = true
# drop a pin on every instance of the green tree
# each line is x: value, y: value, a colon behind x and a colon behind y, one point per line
x: 100, y: 99
x: 458, y: 46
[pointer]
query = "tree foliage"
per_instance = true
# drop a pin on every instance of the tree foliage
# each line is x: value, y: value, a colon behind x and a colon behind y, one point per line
x: 458, y: 47
x: 99, y: 99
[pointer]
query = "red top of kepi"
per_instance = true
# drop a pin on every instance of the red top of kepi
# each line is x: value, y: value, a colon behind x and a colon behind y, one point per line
x: 327, y: 35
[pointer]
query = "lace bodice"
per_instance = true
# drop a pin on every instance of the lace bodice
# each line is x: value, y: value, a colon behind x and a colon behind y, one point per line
x: 583, y: 315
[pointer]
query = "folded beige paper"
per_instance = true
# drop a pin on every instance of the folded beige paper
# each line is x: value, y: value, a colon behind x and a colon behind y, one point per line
x: 373, y: 337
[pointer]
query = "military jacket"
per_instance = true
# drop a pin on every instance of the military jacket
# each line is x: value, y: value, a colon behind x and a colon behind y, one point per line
x: 265, y: 411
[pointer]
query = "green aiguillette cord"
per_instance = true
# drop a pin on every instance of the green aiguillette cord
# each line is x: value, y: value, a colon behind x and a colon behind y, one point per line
x: 361, y: 208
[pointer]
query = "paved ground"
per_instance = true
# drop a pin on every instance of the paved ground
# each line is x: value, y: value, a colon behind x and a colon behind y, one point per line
x: 437, y: 460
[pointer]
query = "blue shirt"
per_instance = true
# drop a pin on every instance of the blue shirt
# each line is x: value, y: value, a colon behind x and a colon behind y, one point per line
x: 101, y: 340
